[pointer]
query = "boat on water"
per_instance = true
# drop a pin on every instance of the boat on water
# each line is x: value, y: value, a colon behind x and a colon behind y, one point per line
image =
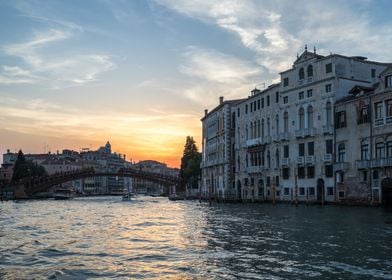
x: 126, y: 194
x: 62, y: 193
x: 175, y: 197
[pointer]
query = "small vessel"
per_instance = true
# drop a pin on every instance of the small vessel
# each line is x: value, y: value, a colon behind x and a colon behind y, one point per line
x: 175, y: 197
x: 126, y: 194
x: 61, y: 193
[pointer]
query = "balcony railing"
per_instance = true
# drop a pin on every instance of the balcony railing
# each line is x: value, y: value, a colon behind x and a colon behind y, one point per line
x: 255, y: 169
x: 300, y: 160
x: 284, y: 136
x: 309, y: 131
x: 299, y: 133
x: 266, y: 139
x: 379, y: 122
x: 254, y: 142
x: 327, y: 158
x: 327, y: 129
x: 340, y: 166
x: 285, y: 161
x: 388, y: 120
x: 388, y: 161
x: 309, y: 160
x: 378, y: 162
x: 362, y: 164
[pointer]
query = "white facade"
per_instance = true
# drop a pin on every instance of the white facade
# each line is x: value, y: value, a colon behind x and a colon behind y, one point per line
x: 284, y: 135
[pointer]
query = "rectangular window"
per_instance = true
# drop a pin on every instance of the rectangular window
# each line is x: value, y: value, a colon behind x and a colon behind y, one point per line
x: 286, y: 191
x: 340, y: 119
x: 311, y: 148
x: 301, y: 172
x: 378, y: 110
x: 285, y: 100
x: 388, y: 81
x: 258, y: 104
x: 311, y: 191
x: 328, y: 146
x: 373, y: 73
x: 330, y: 191
x: 301, y: 191
x: 300, y: 95
x: 329, y: 171
x: 365, y: 151
x: 364, y: 116
x: 238, y: 112
x: 277, y: 97
x: 268, y: 181
x: 341, y: 194
x: 388, y: 107
x: 328, y: 68
x: 246, y: 109
x: 286, y: 173
x: 309, y: 93
x: 364, y: 176
x: 268, y: 100
x: 301, y: 149
x: 380, y: 149
x: 285, y: 82
x: 276, y: 180
x: 251, y: 107
x: 262, y: 102
x: 310, y: 172
x: 328, y: 88
x: 389, y: 149
x: 286, y: 151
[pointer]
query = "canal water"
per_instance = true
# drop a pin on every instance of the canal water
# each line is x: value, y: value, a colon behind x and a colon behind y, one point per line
x: 153, y: 238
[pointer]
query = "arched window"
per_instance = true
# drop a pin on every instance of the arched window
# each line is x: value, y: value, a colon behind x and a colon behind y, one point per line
x: 301, y: 115
x: 262, y: 128
x: 310, y: 71
x: 277, y: 126
x: 277, y: 158
x: 254, y: 129
x: 341, y: 153
x: 286, y: 122
x: 251, y: 130
x: 258, y: 128
x: 310, y: 117
x: 328, y: 113
x: 301, y: 74
x: 246, y: 132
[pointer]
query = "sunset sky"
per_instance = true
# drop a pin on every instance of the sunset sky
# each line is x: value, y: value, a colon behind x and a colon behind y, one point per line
x: 74, y: 74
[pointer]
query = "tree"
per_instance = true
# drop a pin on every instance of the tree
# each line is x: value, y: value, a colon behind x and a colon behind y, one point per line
x: 190, y: 164
x: 26, y: 168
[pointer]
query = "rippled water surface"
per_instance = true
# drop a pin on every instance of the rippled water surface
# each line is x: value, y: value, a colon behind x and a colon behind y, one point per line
x: 153, y: 238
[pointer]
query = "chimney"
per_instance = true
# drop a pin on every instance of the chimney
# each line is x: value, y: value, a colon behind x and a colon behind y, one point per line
x: 8, y: 151
x: 205, y: 112
x: 220, y: 99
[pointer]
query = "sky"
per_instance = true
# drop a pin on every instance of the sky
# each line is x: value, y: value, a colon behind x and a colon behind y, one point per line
x: 75, y: 74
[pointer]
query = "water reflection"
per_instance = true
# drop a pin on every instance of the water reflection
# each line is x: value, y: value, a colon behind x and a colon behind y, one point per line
x: 152, y: 238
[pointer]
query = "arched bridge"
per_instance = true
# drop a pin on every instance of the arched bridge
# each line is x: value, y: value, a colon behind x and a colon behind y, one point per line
x: 33, y: 185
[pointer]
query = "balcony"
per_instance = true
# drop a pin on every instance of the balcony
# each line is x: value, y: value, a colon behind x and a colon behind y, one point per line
x: 254, y: 142
x: 340, y: 166
x: 327, y: 158
x: 255, y: 169
x: 300, y: 160
x: 362, y: 164
x: 309, y: 160
x: 382, y: 162
x: 299, y: 133
x: 266, y: 139
x: 285, y: 161
x: 284, y: 136
x: 275, y: 138
x: 388, y: 120
x: 310, y: 79
x: 309, y: 132
x: 327, y: 129
x: 379, y: 122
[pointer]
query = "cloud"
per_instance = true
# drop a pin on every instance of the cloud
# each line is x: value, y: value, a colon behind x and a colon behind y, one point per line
x: 45, y: 67
x: 215, y: 66
x: 275, y: 31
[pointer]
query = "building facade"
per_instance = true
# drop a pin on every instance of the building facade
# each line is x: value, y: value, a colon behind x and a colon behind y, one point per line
x: 285, y: 135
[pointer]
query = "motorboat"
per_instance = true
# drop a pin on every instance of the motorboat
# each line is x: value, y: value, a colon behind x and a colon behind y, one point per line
x: 62, y: 193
